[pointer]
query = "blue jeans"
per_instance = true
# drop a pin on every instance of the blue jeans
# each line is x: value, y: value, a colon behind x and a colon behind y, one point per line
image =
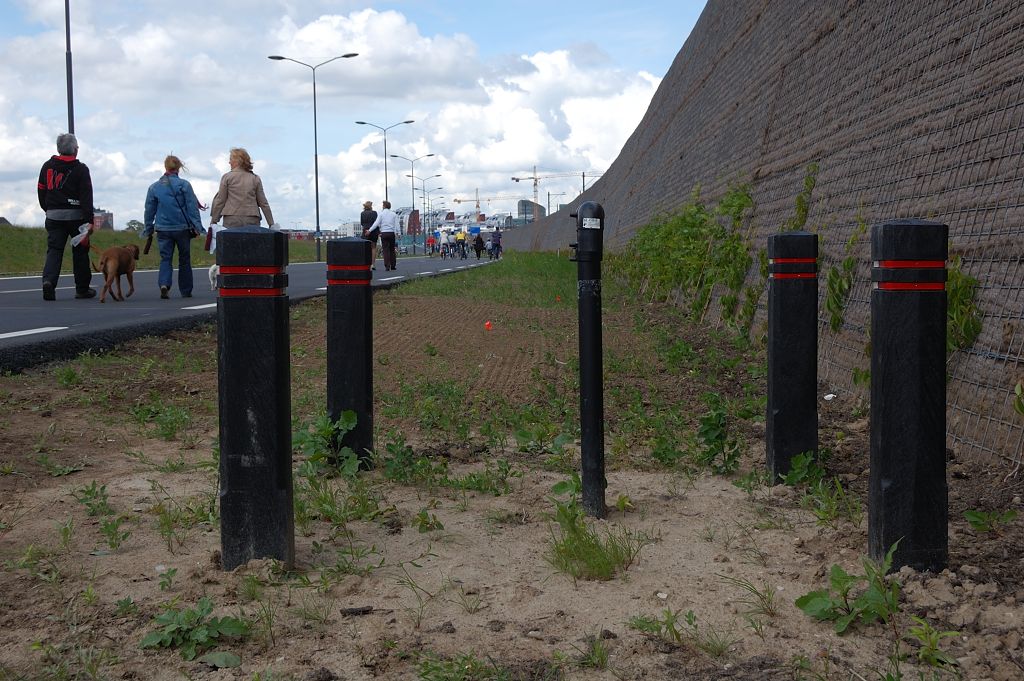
x: 168, y: 241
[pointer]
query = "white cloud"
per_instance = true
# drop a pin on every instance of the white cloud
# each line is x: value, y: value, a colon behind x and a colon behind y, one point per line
x: 196, y: 87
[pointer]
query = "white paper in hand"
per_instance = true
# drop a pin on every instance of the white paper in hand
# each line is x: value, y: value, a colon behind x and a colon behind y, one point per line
x: 83, y: 235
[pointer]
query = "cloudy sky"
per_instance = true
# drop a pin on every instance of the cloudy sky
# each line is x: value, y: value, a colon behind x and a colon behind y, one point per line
x: 494, y: 89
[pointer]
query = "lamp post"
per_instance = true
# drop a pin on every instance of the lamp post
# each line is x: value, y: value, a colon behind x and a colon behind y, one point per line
x: 412, y: 182
x: 385, y: 132
x: 423, y: 187
x: 67, y: 64
x: 426, y: 193
x: 316, y: 155
x: 549, y: 200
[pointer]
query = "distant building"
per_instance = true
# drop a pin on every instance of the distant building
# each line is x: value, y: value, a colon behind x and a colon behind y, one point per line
x: 530, y: 211
x: 103, y: 219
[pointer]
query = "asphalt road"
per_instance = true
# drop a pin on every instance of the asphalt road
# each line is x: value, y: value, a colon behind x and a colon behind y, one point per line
x: 33, y: 331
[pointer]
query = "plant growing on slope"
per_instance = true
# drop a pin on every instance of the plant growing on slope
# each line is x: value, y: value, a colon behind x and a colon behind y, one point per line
x: 963, y: 323
x: 839, y: 280
x: 803, y: 200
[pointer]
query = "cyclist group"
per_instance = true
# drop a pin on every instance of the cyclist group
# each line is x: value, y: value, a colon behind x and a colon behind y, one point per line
x: 456, y: 245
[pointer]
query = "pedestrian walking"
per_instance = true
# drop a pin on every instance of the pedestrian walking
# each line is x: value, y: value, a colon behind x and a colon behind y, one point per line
x: 65, y: 194
x: 496, y: 244
x: 240, y: 197
x: 172, y: 211
x: 366, y: 220
x: 387, y: 222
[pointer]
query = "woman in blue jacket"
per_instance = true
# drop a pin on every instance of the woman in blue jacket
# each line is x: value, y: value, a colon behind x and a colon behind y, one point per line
x: 172, y: 209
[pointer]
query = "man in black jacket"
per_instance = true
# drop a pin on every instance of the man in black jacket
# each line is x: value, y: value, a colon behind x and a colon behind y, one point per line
x: 65, y: 193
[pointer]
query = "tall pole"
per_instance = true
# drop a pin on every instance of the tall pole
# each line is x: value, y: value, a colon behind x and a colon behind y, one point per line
x: 412, y: 179
x: 316, y: 170
x: 316, y: 152
x: 67, y: 60
x: 385, y: 165
x: 385, y: 132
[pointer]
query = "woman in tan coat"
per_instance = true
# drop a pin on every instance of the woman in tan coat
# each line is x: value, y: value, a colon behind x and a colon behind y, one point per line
x: 240, y: 196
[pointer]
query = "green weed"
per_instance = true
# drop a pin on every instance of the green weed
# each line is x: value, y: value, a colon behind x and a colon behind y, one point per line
x: 669, y: 627
x: 125, y: 607
x: 167, y: 578
x: 95, y: 499
x: 989, y: 522
x: 830, y: 502
x: 424, y: 522
x: 110, y: 528
x: 57, y: 470
x: 844, y: 605
x: 191, y: 631
x: 929, y: 638
x: 760, y: 600
x: 320, y: 442
x: 578, y: 550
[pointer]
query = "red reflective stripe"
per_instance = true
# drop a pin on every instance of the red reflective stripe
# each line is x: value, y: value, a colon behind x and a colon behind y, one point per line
x: 349, y: 282
x: 243, y: 292
x: 346, y: 268
x: 772, y: 261
x: 917, y: 264
x: 250, y: 269
x: 912, y: 286
x: 793, y: 275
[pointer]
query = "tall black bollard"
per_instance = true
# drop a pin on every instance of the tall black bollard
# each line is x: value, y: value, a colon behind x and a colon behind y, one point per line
x: 907, y: 492
x: 589, y: 251
x: 254, y: 376
x: 791, y: 426
x: 350, y: 341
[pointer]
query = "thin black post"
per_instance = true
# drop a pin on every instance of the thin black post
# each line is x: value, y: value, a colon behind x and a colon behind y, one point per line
x: 350, y: 340
x: 316, y: 168
x: 589, y: 249
x: 791, y: 425
x: 67, y: 64
x: 254, y: 389
x: 907, y: 492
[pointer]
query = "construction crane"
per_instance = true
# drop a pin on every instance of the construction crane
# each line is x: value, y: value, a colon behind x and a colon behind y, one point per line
x: 477, y: 199
x: 535, y: 177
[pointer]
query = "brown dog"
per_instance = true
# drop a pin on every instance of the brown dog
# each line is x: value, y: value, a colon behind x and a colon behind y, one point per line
x: 114, y: 262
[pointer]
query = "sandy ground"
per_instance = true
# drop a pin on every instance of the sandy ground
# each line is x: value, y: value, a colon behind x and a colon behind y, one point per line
x: 482, y: 585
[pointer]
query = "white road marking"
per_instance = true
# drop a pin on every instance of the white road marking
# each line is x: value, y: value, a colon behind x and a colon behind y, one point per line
x: 390, y: 278
x: 199, y: 307
x: 29, y: 332
x: 447, y: 269
x: 37, y: 290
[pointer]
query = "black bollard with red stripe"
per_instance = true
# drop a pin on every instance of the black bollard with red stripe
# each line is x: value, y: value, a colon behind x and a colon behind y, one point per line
x: 907, y: 491
x: 791, y: 424
x: 254, y: 376
x: 350, y: 341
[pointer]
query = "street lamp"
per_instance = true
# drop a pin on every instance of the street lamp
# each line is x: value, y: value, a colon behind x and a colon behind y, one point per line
x: 67, y: 65
x: 412, y: 182
x: 316, y: 155
x: 423, y: 180
x: 427, y: 193
x: 549, y: 200
x: 385, y: 131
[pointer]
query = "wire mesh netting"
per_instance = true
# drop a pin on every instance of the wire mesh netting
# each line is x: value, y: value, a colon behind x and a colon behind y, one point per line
x: 906, y: 109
